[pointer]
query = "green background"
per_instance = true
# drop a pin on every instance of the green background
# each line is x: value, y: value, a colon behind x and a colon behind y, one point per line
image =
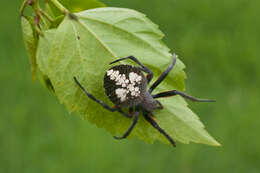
x: 219, y: 43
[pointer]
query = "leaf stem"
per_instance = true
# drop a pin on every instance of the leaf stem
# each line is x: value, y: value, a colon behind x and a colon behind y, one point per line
x: 48, y: 8
x: 48, y: 17
x: 60, y: 7
x: 43, y: 20
x: 24, y: 4
x: 38, y: 30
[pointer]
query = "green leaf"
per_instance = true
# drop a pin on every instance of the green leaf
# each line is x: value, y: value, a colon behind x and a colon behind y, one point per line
x: 45, y: 81
x: 56, y: 22
x: 30, y: 41
x: 79, y: 5
x: 43, y: 52
x: 84, y: 48
x: 75, y: 6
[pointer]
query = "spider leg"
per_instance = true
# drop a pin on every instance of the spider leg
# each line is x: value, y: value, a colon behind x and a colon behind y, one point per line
x: 136, y: 115
x: 164, y: 74
x: 160, y: 106
x: 143, y: 68
x: 131, y: 110
x: 100, y: 102
x: 175, y: 92
x: 151, y: 120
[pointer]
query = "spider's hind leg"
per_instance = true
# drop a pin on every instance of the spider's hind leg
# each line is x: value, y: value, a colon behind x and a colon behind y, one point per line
x: 150, y: 119
x: 127, y: 133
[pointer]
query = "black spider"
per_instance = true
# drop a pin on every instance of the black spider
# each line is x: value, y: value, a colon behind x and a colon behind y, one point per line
x: 126, y: 86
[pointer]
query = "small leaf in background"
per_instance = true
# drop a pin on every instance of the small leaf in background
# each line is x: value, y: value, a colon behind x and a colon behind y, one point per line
x: 30, y: 41
x: 84, y: 48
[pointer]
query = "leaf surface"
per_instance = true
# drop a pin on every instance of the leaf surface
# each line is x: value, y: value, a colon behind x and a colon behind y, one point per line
x: 43, y: 52
x: 84, y: 48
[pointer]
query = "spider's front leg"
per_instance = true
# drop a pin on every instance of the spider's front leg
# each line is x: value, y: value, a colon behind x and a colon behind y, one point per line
x: 164, y: 74
x: 143, y: 68
x: 176, y: 92
x: 116, y: 108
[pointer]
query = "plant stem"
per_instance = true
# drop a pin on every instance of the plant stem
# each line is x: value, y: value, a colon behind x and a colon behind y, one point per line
x: 38, y: 30
x: 48, y: 17
x: 43, y: 21
x: 60, y: 6
x: 47, y: 7
x: 24, y: 4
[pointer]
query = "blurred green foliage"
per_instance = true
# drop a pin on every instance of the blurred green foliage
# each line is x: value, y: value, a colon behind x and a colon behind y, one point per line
x: 219, y: 43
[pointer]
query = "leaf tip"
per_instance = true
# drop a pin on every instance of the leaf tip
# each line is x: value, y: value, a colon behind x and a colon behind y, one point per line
x: 214, y: 143
x: 217, y: 144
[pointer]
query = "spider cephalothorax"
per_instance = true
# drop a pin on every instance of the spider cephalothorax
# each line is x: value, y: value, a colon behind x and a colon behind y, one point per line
x: 126, y: 86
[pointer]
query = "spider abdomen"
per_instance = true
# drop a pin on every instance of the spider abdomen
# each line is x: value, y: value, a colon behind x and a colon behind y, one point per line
x: 125, y: 85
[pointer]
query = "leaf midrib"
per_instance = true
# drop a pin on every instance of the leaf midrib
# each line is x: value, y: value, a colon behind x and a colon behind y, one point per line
x: 124, y: 30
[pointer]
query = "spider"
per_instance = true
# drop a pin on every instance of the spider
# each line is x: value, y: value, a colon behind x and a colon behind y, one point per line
x: 126, y: 86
